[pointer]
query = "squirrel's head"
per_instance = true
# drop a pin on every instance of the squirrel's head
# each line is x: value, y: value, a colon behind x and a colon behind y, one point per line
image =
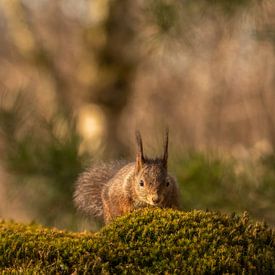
x: 151, y: 177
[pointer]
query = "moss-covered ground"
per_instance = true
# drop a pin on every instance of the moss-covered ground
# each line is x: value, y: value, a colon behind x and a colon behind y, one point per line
x: 146, y: 241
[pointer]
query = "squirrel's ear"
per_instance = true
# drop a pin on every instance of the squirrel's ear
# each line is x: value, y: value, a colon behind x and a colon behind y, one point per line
x: 165, y: 153
x: 139, y: 155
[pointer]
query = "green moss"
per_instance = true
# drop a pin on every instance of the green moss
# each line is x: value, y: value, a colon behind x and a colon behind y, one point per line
x: 146, y: 241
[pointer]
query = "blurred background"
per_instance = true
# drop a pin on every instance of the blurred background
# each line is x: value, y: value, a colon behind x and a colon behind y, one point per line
x: 78, y: 77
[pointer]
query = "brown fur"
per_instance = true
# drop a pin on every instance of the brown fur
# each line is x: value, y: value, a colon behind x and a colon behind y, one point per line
x: 111, y: 190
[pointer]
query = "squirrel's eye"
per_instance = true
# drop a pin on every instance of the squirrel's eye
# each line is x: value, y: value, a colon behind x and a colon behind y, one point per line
x: 167, y: 183
x: 141, y: 183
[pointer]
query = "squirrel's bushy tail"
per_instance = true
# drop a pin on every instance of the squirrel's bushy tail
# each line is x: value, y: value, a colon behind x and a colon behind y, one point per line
x: 88, y: 189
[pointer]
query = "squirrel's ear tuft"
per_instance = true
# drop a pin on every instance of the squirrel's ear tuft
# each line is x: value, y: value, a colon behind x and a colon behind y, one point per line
x: 165, y: 153
x: 139, y: 155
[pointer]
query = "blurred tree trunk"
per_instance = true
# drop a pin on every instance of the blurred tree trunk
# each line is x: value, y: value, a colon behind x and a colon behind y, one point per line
x: 117, y: 64
x: 33, y: 52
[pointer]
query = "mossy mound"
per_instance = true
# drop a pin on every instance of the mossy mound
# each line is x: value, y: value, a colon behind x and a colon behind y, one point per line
x: 146, y: 241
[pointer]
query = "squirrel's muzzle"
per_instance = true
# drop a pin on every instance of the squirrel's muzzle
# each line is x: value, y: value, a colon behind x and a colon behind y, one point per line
x: 155, y: 199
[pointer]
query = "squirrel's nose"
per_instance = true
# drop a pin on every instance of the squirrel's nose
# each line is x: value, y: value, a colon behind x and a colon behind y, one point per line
x: 155, y: 199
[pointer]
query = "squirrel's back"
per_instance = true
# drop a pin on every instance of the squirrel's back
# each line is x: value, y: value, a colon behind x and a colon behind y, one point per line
x: 87, y: 195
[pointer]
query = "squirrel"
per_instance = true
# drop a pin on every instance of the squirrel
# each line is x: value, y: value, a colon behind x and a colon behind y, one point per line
x: 109, y: 190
